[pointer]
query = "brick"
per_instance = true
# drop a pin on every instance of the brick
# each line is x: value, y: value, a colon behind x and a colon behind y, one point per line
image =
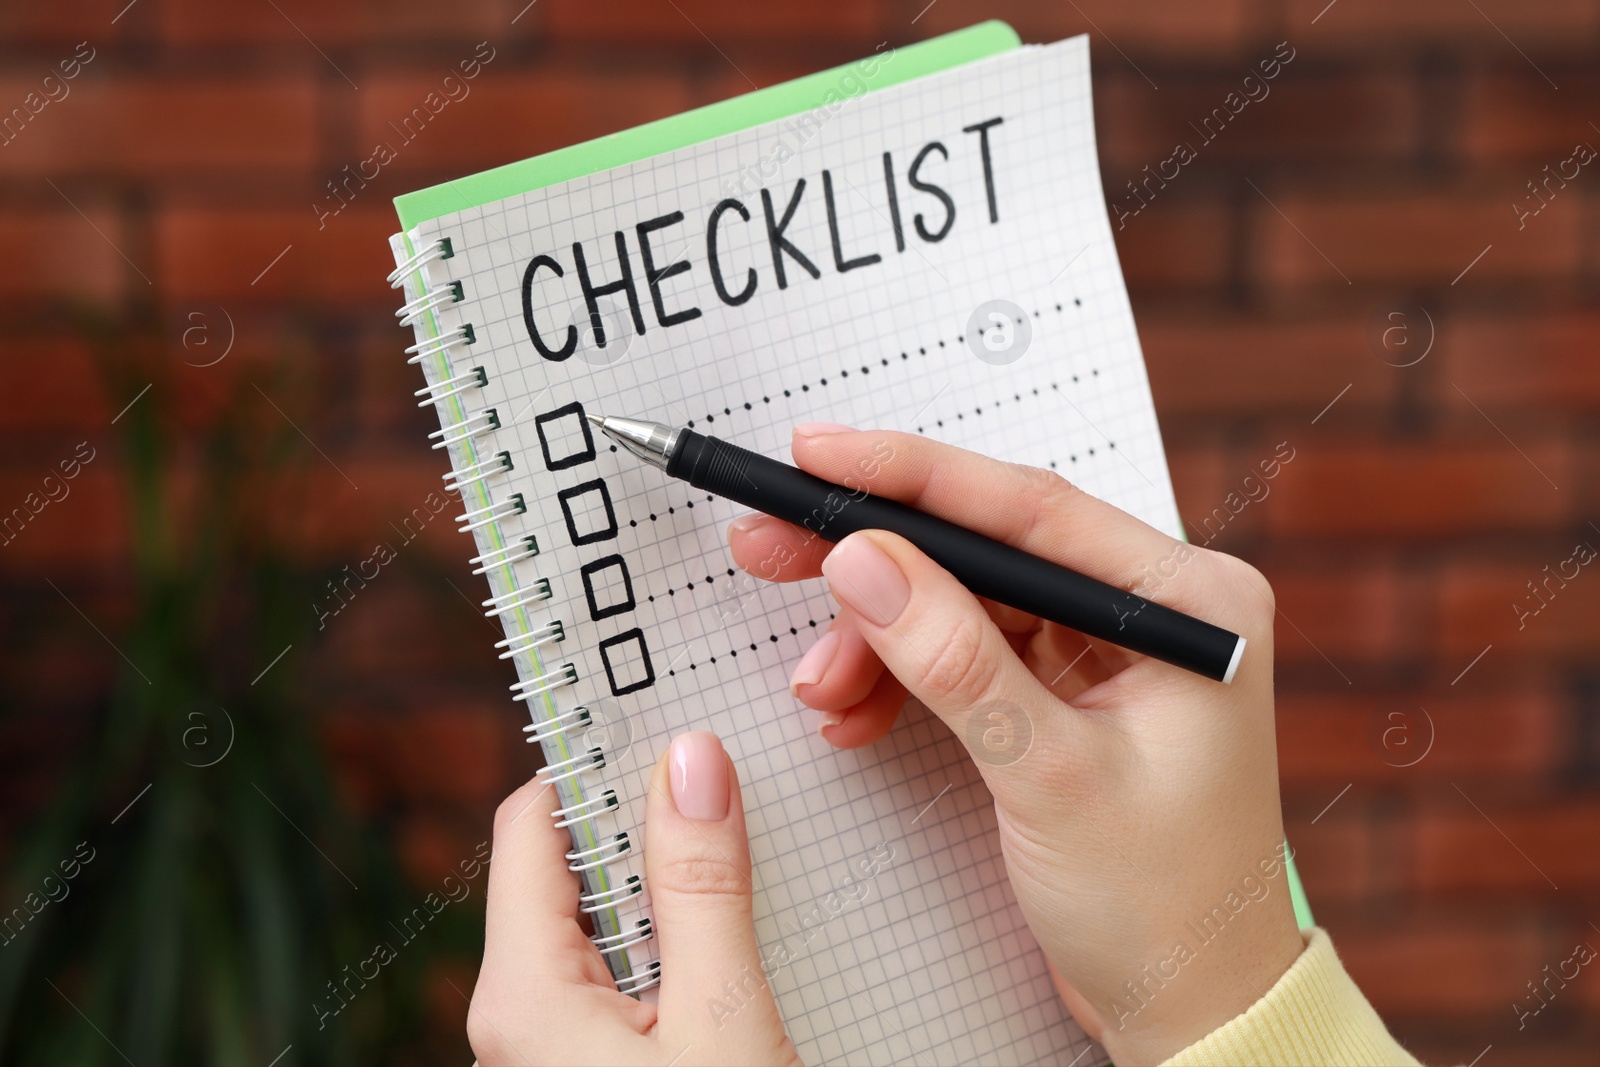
x: 756, y: 65
x: 354, y: 517
x: 401, y: 627
x: 382, y: 404
x: 1557, y: 24
x: 311, y: 26
x: 430, y: 849
x: 350, y: 745
x: 67, y: 257
x: 54, y: 664
x: 86, y: 526
x: 696, y: 24
x: 504, y: 116
x: 1402, y: 491
x: 228, y: 254
x: 1490, y: 603
x: 1558, y: 1045
x: 456, y: 753
x: 1588, y: 992
x: 1206, y: 365
x: 166, y: 127
x: 1305, y: 117
x: 1336, y: 858
x: 199, y: 394
x: 1458, y: 850
x: 195, y: 377
x: 1175, y: 245
x: 1400, y: 969
x: 1530, y: 362
x: 1508, y: 115
x: 1561, y: 1048
x: 68, y: 394
x: 449, y: 983
x: 1197, y: 477
x: 1349, y: 615
x: 63, y: 24
x: 1429, y: 237
x: 1417, y: 736
x: 1142, y: 27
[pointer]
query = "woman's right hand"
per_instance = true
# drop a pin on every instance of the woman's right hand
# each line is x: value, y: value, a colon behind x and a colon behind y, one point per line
x: 1137, y: 803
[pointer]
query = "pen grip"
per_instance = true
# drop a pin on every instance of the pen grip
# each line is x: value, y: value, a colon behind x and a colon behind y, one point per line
x: 987, y: 567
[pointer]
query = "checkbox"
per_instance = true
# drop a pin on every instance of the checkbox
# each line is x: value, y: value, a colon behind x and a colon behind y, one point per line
x: 588, y: 512
x: 564, y: 437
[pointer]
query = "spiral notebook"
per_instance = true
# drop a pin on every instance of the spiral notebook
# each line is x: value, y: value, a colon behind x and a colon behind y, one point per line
x: 916, y: 241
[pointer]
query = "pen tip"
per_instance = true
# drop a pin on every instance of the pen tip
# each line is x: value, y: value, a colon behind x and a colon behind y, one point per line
x: 598, y: 420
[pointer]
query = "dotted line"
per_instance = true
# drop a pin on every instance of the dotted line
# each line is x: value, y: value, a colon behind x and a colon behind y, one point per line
x: 960, y: 416
x: 806, y: 388
x: 709, y: 579
x: 754, y: 645
x: 904, y: 357
x: 690, y: 585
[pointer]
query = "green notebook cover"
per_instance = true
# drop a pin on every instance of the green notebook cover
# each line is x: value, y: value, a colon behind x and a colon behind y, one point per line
x: 705, y: 123
x: 714, y: 120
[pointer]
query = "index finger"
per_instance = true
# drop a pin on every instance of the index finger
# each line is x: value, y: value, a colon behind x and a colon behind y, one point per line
x: 531, y: 913
x: 1026, y: 507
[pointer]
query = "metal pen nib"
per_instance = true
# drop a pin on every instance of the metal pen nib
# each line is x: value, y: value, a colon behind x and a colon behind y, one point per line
x: 652, y: 442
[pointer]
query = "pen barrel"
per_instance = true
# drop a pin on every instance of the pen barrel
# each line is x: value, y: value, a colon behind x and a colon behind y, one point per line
x: 987, y: 567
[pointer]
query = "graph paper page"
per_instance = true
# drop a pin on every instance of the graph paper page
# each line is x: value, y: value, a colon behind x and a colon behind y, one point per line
x: 888, y: 929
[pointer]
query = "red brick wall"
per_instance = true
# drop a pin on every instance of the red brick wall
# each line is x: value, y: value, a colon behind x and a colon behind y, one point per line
x: 1377, y: 178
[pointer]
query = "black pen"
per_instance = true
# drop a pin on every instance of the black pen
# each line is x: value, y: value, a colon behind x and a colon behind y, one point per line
x: 987, y: 567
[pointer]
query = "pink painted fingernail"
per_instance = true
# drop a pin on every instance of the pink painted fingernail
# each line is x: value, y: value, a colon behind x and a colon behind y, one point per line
x: 746, y: 523
x: 814, y: 664
x: 863, y: 577
x: 819, y: 429
x: 699, y: 773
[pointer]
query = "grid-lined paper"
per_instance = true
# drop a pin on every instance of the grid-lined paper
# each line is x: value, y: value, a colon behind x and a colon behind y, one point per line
x: 882, y: 907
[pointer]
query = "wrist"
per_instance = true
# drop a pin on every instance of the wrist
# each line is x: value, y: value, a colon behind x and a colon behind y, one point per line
x: 1200, y: 985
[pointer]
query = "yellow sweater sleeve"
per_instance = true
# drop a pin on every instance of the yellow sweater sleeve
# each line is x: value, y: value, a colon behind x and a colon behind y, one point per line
x: 1313, y: 1017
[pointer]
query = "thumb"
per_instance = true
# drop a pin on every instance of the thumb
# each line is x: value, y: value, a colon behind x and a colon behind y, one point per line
x: 697, y: 868
x: 938, y: 640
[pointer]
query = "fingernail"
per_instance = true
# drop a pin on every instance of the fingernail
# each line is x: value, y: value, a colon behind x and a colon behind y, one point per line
x: 864, y: 578
x: 746, y: 523
x: 818, y: 429
x: 814, y: 664
x: 830, y: 719
x: 699, y: 772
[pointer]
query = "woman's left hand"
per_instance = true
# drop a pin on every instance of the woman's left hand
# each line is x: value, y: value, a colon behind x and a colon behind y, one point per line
x: 544, y: 994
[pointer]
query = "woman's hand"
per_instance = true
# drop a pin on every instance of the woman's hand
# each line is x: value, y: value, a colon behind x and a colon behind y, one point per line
x: 544, y: 995
x: 1137, y: 803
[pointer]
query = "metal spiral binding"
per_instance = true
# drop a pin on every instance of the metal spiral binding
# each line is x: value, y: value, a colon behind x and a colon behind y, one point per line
x: 517, y: 598
x: 432, y: 394
x: 478, y: 518
x: 642, y: 931
x: 440, y: 249
x: 461, y: 335
x: 446, y: 387
x: 568, y: 720
x: 592, y: 759
x: 573, y: 814
x: 449, y: 293
x: 589, y: 903
x: 586, y: 859
x: 639, y: 981
x: 522, y: 548
x: 532, y: 639
x: 499, y: 463
x: 471, y: 426
x: 565, y: 674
